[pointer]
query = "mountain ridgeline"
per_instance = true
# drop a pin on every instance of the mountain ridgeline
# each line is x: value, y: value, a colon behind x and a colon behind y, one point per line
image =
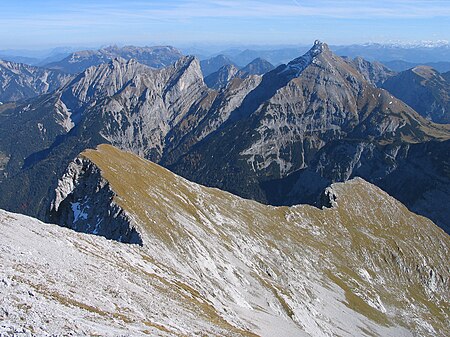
x: 207, y: 262
x: 425, y: 90
x: 20, y: 81
x: 155, y: 57
x: 278, y: 138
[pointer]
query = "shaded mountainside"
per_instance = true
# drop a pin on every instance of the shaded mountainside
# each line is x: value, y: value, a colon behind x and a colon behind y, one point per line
x: 246, y: 138
x: 123, y: 102
x: 213, y: 263
x: 21, y: 81
x: 155, y: 57
x: 220, y: 79
x: 213, y: 64
x: 258, y: 66
x: 425, y: 90
x: 373, y: 72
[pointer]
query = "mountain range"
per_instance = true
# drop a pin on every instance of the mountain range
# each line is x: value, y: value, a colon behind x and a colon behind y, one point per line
x: 279, y: 138
x: 20, y: 81
x: 155, y: 57
x: 338, y: 169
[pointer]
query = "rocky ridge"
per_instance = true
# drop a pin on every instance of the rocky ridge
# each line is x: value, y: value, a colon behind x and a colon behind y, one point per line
x: 21, y: 81
x: 212, y: 262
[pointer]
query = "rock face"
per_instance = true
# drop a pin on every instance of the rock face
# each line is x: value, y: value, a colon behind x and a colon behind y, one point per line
x: 155, y: 57
x: 221, y: 77
x: 425, y: 90
x: 21, y: 81
x: 215, y: 264
x: 84, y: 202
x: 373, y: 72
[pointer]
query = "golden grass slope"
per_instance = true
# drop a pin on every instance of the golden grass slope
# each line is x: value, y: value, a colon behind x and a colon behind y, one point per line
x: 390, y: 265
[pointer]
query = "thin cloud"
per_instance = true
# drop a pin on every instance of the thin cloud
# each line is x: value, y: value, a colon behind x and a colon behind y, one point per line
x: 193, y: 9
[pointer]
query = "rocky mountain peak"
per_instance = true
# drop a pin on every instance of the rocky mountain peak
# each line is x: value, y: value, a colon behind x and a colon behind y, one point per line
x: 189, y: 67
x: 317, y: 49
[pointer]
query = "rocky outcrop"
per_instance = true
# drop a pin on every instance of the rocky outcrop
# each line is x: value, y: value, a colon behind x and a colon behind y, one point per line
x: 83, y: 201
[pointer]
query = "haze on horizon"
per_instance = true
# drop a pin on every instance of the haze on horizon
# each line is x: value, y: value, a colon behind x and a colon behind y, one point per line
x: 29, y: 24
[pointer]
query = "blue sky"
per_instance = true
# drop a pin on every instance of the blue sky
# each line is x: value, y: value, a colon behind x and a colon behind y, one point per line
x: 49, y: 23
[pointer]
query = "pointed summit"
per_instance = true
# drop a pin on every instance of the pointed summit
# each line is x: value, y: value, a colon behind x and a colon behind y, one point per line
x: 317, y: 49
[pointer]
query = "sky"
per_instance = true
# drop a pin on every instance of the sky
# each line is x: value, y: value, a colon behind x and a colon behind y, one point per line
x: 30, y: 24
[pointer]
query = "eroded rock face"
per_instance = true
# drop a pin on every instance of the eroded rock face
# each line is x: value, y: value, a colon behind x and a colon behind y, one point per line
x: 84, y: 202
x: 21, y: 81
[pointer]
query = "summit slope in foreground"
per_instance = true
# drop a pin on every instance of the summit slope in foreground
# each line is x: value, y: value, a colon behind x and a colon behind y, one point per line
x: 213, y: 263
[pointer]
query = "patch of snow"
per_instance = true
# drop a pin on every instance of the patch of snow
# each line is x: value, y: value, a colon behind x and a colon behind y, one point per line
x: 78, y: 212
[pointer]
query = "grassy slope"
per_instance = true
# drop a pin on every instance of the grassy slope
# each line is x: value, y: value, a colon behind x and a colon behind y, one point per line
x: 369, y: 245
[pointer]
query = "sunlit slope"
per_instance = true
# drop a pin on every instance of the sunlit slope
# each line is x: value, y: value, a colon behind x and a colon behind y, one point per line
x: 212, y: 263
x: 368, y: 247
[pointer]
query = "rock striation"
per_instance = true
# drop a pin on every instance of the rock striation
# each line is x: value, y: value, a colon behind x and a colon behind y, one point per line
x: 21, y: 81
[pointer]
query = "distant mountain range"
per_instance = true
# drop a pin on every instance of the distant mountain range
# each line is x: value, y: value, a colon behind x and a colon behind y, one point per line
x: 220, y: 78
x: 156, y: 57
x: 403, y: 65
